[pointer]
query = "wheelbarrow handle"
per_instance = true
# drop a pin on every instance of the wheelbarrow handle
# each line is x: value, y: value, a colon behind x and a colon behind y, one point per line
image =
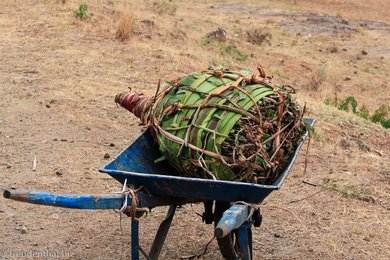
x: 76, y: 201
x: 231, y: 219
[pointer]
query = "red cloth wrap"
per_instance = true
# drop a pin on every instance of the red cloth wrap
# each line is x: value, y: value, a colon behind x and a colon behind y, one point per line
x: 134, y: 102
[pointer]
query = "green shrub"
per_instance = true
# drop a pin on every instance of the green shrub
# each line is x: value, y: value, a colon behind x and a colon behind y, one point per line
x: 344, y: 105
x: 381, y: 115
x: 81, y: 13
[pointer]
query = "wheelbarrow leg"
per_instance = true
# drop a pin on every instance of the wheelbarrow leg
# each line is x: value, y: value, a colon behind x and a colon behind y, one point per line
x: 162, y: 234
x: 243, y: 235
x: 134, y: 239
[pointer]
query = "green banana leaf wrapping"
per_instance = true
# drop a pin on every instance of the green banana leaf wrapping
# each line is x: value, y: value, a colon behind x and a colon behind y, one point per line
x: 221, y: 124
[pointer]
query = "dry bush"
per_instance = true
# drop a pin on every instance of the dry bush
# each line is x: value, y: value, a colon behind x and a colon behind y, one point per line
x: 258, y: 36
x: 316, y: 81
x: 314, y: 84
x: 125, y: 26
x: 218, y: 34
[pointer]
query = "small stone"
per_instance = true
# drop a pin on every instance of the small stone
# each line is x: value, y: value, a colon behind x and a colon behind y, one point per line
x: 87, y: 128
x: 59, y: 173
x: 35, y: 244
x: 364, y: 52
x: 344, y: 49
x: 48, y: 106
x: 23, y: 230
x: 9, y: 166
x: 277, y: 235
x: 112, y: 144
x: 148, y: 22
x: 64, y: 140
x: 347, y: 78
x: 106, y: 156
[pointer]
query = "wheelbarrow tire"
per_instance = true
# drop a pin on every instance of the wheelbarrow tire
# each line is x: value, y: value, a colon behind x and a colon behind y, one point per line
x: 229, y: 245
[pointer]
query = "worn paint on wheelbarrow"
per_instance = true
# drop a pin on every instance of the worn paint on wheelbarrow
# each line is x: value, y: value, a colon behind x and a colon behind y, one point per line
x: 137, y: 164
x: 76, y: 201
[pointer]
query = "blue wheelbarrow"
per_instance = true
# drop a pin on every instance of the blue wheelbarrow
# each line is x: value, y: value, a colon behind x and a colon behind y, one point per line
x: 148, y: 184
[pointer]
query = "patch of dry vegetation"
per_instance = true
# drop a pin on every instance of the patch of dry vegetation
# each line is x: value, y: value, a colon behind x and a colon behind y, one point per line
x: 258, y: 36
x: 125, y: 26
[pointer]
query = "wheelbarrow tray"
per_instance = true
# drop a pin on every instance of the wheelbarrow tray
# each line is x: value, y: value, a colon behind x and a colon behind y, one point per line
x: 137, y: 164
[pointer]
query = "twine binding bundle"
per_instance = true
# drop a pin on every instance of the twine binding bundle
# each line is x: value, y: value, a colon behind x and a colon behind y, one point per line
x: 222, y: 124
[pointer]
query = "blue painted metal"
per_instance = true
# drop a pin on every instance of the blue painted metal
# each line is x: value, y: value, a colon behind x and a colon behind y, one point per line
x: 245, y: 252
x: 231, y: 219
x: 134, y: 239
x: 77, y: 201
x: 94, y: 201
x: 136, y: 164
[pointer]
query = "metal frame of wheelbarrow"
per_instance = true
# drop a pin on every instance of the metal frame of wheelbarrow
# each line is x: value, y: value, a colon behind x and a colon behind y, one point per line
x: 158, y: 184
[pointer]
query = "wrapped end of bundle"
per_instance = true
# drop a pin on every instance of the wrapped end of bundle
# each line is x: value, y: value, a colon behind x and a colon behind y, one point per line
x: 136, y: 103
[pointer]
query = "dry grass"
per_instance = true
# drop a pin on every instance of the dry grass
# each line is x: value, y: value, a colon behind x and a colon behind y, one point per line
x: 125, y: 26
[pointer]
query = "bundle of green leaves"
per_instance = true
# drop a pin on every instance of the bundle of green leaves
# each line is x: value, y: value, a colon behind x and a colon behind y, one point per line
x: 223, y: 124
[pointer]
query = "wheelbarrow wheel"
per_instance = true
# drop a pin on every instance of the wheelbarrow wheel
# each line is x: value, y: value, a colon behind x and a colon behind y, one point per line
x: 229, y: 245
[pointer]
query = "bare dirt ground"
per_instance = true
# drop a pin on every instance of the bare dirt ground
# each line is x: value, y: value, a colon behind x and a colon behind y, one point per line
x: 58, y: 77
